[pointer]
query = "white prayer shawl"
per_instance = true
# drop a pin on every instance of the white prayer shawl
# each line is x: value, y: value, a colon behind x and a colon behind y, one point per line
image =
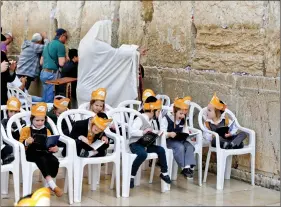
x: 102, y: 66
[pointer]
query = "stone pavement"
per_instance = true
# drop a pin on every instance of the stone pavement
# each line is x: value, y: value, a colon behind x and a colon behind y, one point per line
x: 183, y: 193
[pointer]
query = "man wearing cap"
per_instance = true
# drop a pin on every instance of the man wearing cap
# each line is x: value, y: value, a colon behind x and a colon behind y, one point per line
x: 52, y: 59
x: 28, y: 65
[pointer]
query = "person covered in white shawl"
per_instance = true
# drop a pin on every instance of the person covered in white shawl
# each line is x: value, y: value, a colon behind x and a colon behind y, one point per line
x: 102, y: 66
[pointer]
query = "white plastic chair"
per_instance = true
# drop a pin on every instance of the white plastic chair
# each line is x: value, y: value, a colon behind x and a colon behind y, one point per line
x: 28, y: 168
x: 132, y: 104
x: 13, y: 167
x: 127, y: 156
x: 197, y: 145
x: 79, y: 162
x: 86, y: 106
x: 25, y: 99
x: 224, y: 156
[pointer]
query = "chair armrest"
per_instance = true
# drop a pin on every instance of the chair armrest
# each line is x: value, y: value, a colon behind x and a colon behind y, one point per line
x: 117, y: 139
x: 22, y: 153
x: 252, y: 134
x: 217, y: 137
x: 15, y: 144
x: 70, y: 145
x: 199, y: 136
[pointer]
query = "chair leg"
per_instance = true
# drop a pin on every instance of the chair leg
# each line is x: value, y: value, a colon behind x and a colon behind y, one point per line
x: 199, y: 168
x: 65, y: 180
x: 174, y: 170
x: 89, y: 175
x: 5, y: 183
x: 78, y: 179
x: 16, y: 185
x: 99, y: 172
x: 221, y: 161
x: 112, y: 177
x: 27, y: 181
x: 126, y: 175
x: 253, y: 168
x: 152, y: 170
x: 69, y: 179
x: 95, y: 176
x: 106, y: 169
x: 117, y: 178
x: 207, y: 166
x: 228, y: 167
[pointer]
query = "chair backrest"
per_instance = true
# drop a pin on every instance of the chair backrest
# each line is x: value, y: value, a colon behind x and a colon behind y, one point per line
x: 16, y: 119
x: 4, y: 110
x: 165, y: 99
x: 124, y: 125
x: 132, y: 104
x: 25, y: 99
x: 192, y: 109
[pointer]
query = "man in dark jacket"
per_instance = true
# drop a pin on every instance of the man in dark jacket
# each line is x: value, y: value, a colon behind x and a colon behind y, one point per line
x: 6, y: 76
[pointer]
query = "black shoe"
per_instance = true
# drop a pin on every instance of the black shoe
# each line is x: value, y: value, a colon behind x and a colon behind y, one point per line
x: 7, y: 160
x: 132, y: 183
x: 166, y: 178
x: 226, y: 145
x: 187, y: 173
x: 84, y: 153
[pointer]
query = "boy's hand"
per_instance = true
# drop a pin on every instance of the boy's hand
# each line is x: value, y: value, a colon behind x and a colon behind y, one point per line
x: 172, y: 134
x: 147, y: 130
x: 13, y: 65
x: 104, y: 139
x: 227, y: 135
x: 53, y: 149
x: 29, y: 140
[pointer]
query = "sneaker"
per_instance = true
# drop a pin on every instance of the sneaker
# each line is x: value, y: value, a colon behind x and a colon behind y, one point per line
x: 132, y: 183
x: 187, y: 173
x: 58, y: 192
x: 7, y: 160
x: 166, y: 178
x: 84, y: 153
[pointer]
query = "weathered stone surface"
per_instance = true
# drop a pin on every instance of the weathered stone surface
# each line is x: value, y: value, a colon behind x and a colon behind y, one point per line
x: 254, y: 100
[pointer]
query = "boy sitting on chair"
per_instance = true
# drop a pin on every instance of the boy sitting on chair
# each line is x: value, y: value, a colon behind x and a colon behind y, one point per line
x: 152, y: 108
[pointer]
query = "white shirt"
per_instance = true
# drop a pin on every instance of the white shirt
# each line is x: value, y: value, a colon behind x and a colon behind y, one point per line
x: 17, y: 84
x: 164, y: 123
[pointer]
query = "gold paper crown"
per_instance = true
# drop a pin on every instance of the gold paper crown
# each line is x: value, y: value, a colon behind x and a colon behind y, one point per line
x: 99, y: 94
x: 217, y: 104
x: 147, y: 93
x: 101, y: 123
x: 13, y: 104
x: 153, y: 105
x: 38, y: 198
x: 61, y: 103
x: 40, y: 109
x: 179, y: 103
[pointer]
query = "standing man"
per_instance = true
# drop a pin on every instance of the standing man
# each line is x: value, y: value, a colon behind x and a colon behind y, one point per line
x: 28, y: 65
x: 52, y: 59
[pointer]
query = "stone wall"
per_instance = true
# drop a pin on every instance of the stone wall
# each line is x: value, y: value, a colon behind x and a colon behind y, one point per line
x: 214, y: 38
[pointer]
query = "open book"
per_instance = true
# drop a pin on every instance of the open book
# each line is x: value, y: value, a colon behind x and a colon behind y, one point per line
x: 46, y: 142
x: 97, y: 144
x: 225, y: 129
x: 52, y: 141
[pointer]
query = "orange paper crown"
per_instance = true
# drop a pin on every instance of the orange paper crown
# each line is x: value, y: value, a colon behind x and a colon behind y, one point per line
x: 217, y: 104
x: 153, y: 105
x: 13, y: 104
x: 99, y: 94
x: 61, y: 103
x: 101, y: 122
x: 41, y: 197
x: 40, y: 109
x: 187, y: 99
x: 179, y: 103
x: 147, y: 93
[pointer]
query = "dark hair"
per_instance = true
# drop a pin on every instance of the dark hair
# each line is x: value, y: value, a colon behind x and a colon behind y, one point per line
x: 102, y: 115
x: 93, y: 101
x: 151, y: 99
x: 32, y: 117
x: 72, y: 53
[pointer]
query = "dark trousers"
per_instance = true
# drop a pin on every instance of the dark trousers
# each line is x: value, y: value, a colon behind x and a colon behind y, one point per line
x: 7, y: 150
x: 138, y: 149
x: 28, y: 80
x: 236, y: 139
x: 82, y: 145
x: 47, y: 163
